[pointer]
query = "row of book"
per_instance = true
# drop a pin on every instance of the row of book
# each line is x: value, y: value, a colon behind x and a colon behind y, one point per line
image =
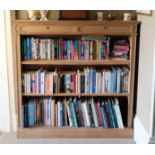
x: 86, y: 48
x: 72, y: 112
x: 112, y: 80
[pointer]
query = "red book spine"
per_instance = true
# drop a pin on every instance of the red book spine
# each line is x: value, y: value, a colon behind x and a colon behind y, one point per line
x: 98, y: 113
x: 74, y: 83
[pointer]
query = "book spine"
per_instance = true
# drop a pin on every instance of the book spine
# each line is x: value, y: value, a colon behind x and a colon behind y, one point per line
x: 30, y: 114
x: 73, y: 115
x: 69, y: 115
x: 23, y: 123
x: 94, y: 113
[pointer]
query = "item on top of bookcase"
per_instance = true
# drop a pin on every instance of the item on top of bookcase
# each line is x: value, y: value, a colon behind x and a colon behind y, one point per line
x: 43, y: 14
x: 74, y: 15
x: 99, y: 16
x: 111, y: 16
x: 32, y: 14
x: 127, y: 17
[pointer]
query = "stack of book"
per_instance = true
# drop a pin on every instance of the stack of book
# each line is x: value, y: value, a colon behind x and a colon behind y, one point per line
x: 89, y: 81
x: 120, y: 49
x: 34, y: 48
x: 72, y: 112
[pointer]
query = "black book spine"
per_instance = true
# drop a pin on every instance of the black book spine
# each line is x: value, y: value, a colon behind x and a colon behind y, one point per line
x: 109, y: 121
x: 25, y: 115
x: 91, y: 115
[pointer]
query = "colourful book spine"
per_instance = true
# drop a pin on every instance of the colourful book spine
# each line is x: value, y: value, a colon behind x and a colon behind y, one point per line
x: 111, y: 114
x: 23, y: 126
x: 53, y: 113
x: 82, y: 49
x: 25, y: 54
x: 73, y: 115
x: 30, y: 114
x: 98, y: 113
x: 91, y: 51
x: 42, y: 112
x: 94, y: 82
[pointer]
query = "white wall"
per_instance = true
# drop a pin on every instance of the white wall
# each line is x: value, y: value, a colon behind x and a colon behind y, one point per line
x: 4, y: 87
x: 145, y: 95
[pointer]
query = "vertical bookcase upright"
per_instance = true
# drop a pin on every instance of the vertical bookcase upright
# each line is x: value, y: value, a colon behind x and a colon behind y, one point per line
x: 74, y: 29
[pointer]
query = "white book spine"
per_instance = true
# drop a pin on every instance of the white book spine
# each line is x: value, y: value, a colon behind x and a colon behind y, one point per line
x: 35, y: 49
x: 118, y: 114
x: 84, y: 114
x: 87, y: 115
x: 41, y: 49
x: 76, y: 83
x: 42, y: 82
x: 103, y: 84
x: 49, y: 57
x: 69, y: 116
x: 52, y: 44
x: 28, y: 83
x: 25, y: 83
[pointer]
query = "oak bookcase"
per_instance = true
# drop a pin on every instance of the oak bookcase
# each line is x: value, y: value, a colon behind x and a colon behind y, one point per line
x: 74, y: 28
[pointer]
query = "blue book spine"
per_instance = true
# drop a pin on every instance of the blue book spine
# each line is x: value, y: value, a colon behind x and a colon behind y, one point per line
x: 114, y: 113
x: 82, y: 49
x: 62, y: 114
x: 23, y: 116
x: 87, y: 50
x: 65, y: 50
x: 91, y: 81
x: 114, y: 79
x: 24, y: 48
x: 56, y: 115
x: 48, y: 112
x: 30, y: 114
x: 42, y: 112
x: 111, y: 114
x: 68, y: 50
x: 104, y: 117
x: 76, y: 48
x: 118, y: 81
x: 101, y: 51
x: 30, y: 48
x: 112, y: 82
x: 94, y: 82
x: 73, y: 115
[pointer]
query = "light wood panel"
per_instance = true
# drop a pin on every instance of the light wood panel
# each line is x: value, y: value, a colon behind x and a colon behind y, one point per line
x: 80, y: 95
x: 69, y: 132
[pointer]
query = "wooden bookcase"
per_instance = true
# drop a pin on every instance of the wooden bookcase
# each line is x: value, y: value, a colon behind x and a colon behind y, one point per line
x: 74, y: 28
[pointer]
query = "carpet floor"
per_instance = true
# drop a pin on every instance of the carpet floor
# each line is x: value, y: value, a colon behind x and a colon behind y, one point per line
x: 10, y: 138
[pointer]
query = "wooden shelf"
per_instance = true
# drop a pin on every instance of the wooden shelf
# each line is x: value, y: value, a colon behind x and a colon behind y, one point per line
x: 75, y: 63
x: 71, y: 95
x: 70, y: 132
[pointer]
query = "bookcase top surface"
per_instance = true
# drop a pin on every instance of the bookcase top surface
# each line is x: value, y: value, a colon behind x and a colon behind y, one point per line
x: 134, y: 22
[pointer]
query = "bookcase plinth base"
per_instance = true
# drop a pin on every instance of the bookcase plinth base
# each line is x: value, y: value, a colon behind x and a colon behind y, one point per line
x: 67, y: 132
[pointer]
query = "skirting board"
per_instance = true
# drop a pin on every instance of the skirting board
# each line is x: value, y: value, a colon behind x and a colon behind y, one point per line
x: 140, y: 134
